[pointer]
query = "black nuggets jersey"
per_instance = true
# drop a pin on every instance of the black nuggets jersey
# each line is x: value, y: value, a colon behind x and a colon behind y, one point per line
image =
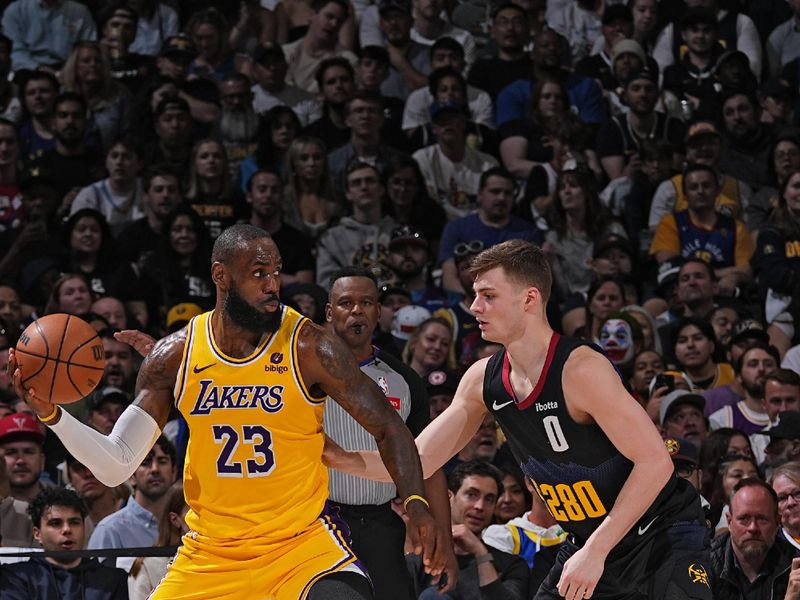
x: 575, y: 468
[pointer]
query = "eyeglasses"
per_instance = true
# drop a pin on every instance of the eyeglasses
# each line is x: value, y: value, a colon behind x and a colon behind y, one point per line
x: 685, y: 470
x: 783, y: 498
x: 464, y: 248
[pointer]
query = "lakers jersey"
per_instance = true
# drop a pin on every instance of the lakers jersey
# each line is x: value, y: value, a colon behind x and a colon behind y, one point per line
x: 254, y: 460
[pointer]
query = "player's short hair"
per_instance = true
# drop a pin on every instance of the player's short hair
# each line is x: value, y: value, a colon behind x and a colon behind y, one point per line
x: 479, y: 468
x: 351, y: 272
x: 231, y: 241
x: 54, y: 496
x: 523, y: 262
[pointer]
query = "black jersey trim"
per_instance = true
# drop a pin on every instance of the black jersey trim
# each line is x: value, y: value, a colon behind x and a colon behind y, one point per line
x: 551, y: 351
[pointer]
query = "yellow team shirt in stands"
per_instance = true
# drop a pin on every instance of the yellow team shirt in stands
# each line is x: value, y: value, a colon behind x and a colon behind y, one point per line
x: 254, y: 460
x: 728, y: 202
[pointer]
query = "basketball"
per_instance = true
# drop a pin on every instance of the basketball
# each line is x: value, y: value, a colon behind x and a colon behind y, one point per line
x: 61, y: 358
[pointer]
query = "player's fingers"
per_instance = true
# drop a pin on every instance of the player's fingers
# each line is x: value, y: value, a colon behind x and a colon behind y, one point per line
x: 429, y: 551
x: 413, y: 536
x: 452, y: 579
x: 588, y: 592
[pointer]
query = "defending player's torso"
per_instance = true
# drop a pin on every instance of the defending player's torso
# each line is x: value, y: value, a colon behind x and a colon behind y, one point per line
x: 576, y: 469
x: 253, y: 463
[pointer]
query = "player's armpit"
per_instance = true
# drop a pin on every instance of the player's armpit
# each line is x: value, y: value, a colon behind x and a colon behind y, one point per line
x: 155, y: 383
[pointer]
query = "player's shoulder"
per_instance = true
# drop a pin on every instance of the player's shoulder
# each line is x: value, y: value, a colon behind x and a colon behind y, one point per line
x: 586, y: 361
x: 163, y: 361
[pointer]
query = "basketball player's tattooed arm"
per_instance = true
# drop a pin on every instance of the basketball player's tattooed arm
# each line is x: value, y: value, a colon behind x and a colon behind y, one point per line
x: 327, y: 365
x: 594, y: 393
x: 442, y: 439
x: 156, y: 381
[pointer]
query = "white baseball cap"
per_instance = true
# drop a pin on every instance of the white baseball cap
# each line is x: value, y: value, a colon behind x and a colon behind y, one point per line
x: 407, y: 319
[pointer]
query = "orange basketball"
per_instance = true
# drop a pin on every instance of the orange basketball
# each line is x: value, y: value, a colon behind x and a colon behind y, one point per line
x: 61, y: 358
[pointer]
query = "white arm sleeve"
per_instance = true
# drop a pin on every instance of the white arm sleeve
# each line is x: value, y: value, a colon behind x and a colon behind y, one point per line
x: 112, y: 458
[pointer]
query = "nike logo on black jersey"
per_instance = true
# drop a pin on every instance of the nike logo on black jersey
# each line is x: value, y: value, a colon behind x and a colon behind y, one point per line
x: 201, y: 369
x: 497, y: 406
x: 643, y: 530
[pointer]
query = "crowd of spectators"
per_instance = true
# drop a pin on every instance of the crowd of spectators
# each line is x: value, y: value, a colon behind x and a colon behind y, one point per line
x: 651, y: 148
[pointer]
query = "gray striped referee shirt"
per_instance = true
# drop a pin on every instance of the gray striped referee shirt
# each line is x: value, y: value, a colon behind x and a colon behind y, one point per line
x: 406, y: 393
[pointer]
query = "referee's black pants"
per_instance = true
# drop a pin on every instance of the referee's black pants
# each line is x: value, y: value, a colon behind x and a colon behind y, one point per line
x: 378, y: 536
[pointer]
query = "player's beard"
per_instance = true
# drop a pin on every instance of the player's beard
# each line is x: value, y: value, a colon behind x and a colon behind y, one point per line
x: 246, y: 316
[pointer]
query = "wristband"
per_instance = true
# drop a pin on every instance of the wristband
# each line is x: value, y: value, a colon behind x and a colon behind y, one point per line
x: 51, y: 417
x: 479, y: 560
x: 414, y: 497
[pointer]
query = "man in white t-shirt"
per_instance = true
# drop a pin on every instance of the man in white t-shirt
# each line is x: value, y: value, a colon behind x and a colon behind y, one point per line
x: 429, y: 27
x: 271, y: 89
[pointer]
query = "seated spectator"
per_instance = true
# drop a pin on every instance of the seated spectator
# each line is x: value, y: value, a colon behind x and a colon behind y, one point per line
x: 685, y: 457
x: 776, y: 264
x: 474, y: 489
x: 90, y: 251
x: 337, y: 84
x: 238, y: 123
x: 35, y: 44
x: 209, y: 31
x: 606, y: 294
x: 105, y: 405
x: 694, y: 346
x: 265, y: 197
x: 646, y: 365
x: 783, y: 44
x: 277, y: 129
x: 15, y: 525
x: 446, y: 52
x: 21, y: 441
x: 585, y: 95
x: 720, y: 444
x: 441, y: 386
x: 747, y: 140
x: 785, y: 480
x: 620, y: 339
x: 409, y: 260
x: 364, y: 116
x: 429, y: 27
x: 723, y: 319
x: 71, y: 293
x: 452, y: 170
x: 409, y: 202
x: 58, y: 516
x: 116, y: 24
x: 492, y: 224
x: 360, y: 239
x: 119, y: 196
x: 704, y: 147
x: 211, y: 192
x: 136, y: 524
x: 446, y: 84
x: 619, y: 139
x: 776, y: 100
x: 703, y: 232
x: 681, y: 415
x: 784, y: 160
x: 372, y: 71
x: 38, y: 93
x: 751, y: 557
x: 157, y: 22
x: 781, y: 394
x: 173, y: 142
x: 271, y: 89
x: 109, y: 103
x: 731, y: 471
x: 748, y: 415
x: 576, y: 220
x: 147, y: 572
x: 99, y: 499
x: 580, y: 23
x: 534, y: 536
x: 428, y: 347
x: 309, y: 199
x: 320, y: 42
x: 616, y: 25
x: 784, y: 440
x: 409, y: 60
x: 625, y: 58
x: 510, y: 33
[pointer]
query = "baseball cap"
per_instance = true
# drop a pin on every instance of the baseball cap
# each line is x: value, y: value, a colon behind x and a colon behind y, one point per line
x: 701, y: 128
x: 20, y: 426
x: 450, y: 105
x: 402, y: 5
x: 390, y: 289
x: 617, y: 12
x: 643, y: 73
x: 407, y: 319
x: 182, y: 312
x: 268, y: 53
x: 678, y: 398
x: 749, y: 329
x: 442, y: 382
x: 172, y: 103
x: 788, y: 427
x: 179, y: 46
x: 407, y: 235
x: 681, y: 449
x: 106, y: 395
x: 628, y: 46
x: 612, y: 241
x: 699, y: 15
x: 668, y: 272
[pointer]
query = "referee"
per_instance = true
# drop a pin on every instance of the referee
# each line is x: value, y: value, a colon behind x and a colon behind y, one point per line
x: 377, y: 532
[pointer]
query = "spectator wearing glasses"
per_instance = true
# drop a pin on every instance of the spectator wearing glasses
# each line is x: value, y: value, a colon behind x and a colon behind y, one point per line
x: 492, y: 224
x: 785, y: 480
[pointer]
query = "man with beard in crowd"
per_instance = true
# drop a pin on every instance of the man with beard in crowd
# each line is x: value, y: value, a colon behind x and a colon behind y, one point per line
x: 71, y: 165
x: 21, y: 446
x: 238, y: 124
x: 747, y: 141
x: 336, y: 80
x: 409, y: 259
x: 173, y: 143
x: 38, y: 93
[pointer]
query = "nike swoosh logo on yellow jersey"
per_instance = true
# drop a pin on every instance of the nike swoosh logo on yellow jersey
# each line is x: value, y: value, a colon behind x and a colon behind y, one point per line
x: 201, y: 369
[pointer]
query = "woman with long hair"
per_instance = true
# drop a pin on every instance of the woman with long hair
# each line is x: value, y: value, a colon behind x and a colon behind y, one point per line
x: 309, y: 200
x: 147, y: 572
x: 645, y: 23
x: 87, y: 72
x: 731, y: 471
x: 209, y: 31
x: 720, y: 443
x: 71, y: 294
x: 277, y: 129
x: 428, y: 348
x: 576, y: 218
x: 776, y: 266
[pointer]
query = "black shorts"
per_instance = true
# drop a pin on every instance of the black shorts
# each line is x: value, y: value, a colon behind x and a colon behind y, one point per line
x: 670, y: 562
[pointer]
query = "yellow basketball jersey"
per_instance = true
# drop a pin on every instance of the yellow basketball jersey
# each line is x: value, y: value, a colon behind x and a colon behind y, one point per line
x: 254, y: 460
